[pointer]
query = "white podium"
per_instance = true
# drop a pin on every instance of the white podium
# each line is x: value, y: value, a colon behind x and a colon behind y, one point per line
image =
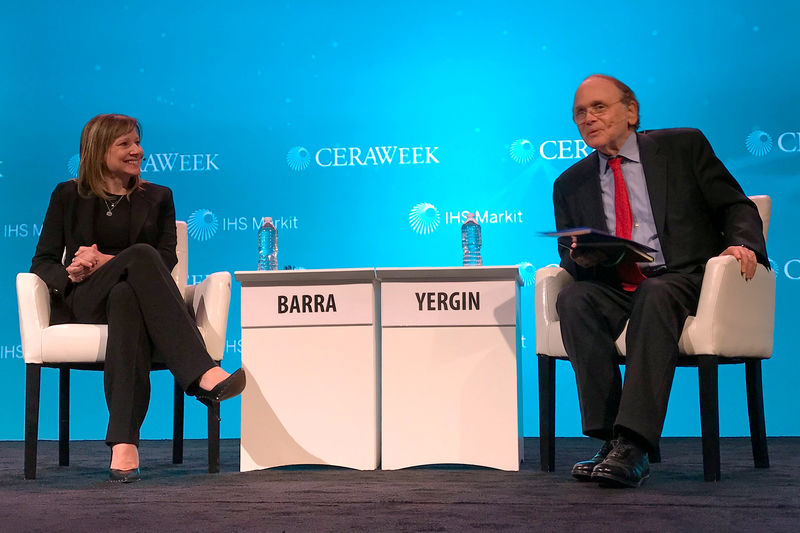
x: 310, y: 355
x: 449, y: 367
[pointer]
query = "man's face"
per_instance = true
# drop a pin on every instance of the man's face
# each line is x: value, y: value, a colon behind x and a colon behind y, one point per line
x: 602, y: 119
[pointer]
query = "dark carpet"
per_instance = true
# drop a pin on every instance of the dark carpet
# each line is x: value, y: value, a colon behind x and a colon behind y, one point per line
x: 443, y: 498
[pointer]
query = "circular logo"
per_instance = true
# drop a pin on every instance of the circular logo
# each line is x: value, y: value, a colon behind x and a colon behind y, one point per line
x: 73, y: 164
x: 298, y: 158
x: 758, y: 142
x: 202, y: 224
x: 424, y: 218
x: 774, y: 265
x: 527, y: 273
x: 522, y: 151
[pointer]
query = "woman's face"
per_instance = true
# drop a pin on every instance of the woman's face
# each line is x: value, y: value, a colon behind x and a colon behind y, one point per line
x: 124, y: 156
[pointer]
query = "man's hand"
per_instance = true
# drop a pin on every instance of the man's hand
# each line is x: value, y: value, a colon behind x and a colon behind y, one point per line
x: 746, y: 258
x: 587, y: 257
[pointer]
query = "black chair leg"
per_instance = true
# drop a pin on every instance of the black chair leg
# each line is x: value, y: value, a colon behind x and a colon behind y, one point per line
x: 63, y: 416
x: 547, y: 412
x: 707, y: 369
x: 177, y: 426
x: 213, y: 438
x: 755, y: 409
x: 33, y: 374
x: 655, y: 455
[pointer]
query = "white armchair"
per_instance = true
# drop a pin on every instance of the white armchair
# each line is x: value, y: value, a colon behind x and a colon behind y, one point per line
x: 734, y: 324
x: 83, y: 347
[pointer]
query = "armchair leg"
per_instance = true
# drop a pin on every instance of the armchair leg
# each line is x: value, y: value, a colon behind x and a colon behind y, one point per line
x: 707, y: 368
x: 33, y: 374
x: 177, y: 425
x: 63, y: 416
x: 547, y: 412
x: 755, y: 409
x: 655, y: 455
x: 213, y: 438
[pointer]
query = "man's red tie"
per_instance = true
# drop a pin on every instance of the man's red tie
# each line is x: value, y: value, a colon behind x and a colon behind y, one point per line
x: 628, y: 272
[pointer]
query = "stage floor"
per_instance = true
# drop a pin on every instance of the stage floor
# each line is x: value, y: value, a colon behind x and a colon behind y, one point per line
x: 442, y: 498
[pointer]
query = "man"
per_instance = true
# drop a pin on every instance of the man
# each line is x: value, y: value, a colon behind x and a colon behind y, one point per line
x: 665, y: 189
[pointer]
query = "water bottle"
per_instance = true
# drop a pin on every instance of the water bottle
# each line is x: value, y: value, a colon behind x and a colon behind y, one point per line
x: 471, y: 241
x: 267, y: 245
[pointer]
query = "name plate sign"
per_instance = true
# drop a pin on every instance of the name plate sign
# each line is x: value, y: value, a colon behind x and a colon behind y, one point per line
x: 308, y: 305
x: 475, y: 303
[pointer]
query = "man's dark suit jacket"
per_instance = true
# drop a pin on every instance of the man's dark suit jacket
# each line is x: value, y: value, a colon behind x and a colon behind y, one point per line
x: 69, y: 224
x: 698, y: 207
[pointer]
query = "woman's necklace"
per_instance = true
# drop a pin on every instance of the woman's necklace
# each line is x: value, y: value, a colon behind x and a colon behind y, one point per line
x: 110, y: 206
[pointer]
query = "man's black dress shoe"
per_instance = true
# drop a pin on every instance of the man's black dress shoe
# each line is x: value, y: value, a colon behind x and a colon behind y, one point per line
x: 124, y: 476
x: 626, y: 466
x: 229, y: 387
x: 582, y: 471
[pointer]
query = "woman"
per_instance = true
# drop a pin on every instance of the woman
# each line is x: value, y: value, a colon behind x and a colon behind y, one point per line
x: 106, y: 251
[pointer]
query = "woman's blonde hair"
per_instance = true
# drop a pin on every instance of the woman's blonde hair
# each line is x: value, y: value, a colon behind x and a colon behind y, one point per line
x: 96, y: 138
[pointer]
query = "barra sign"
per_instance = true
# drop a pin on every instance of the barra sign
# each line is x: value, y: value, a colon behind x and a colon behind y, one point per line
x: 290, y: 303
x: 306, y: 303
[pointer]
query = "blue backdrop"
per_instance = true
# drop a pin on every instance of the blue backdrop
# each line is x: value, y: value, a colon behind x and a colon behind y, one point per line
x: 339, y: 119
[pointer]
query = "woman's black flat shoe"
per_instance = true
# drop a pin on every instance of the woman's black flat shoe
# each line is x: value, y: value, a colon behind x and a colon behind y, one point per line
x: 124, y: 476
x: 229, y: 387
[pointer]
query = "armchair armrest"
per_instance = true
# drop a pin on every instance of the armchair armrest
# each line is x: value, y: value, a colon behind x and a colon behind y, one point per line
x: 210, y: 300
x: 734, y: 317
x: 33, y: 301
x: 549, y: 282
